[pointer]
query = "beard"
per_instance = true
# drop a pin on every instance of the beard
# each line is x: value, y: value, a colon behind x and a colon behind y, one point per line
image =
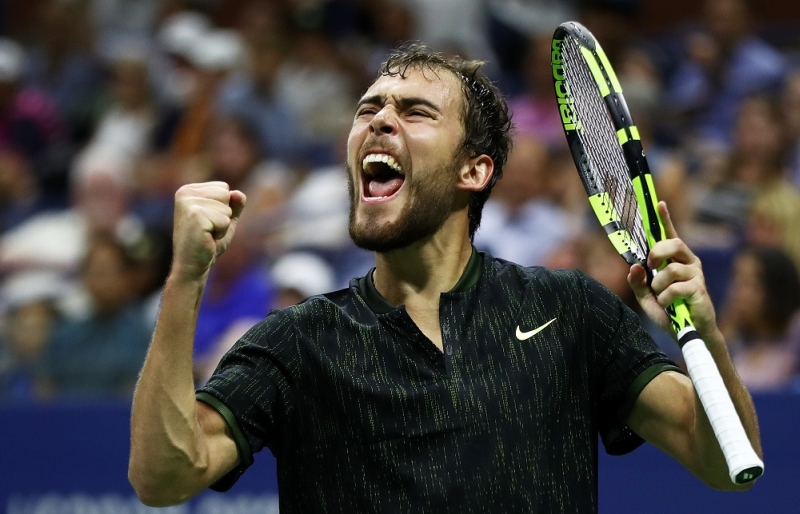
x: 429, y: 205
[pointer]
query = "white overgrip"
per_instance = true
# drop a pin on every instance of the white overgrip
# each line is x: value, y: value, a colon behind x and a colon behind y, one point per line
x: 743, y: 463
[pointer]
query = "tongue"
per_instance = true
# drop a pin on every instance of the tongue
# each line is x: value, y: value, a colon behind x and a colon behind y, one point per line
x: 387, y: 188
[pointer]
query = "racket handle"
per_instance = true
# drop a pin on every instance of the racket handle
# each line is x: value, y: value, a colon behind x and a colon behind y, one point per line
x: 743, y: 463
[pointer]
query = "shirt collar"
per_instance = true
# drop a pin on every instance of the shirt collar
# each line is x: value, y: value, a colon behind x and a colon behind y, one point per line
x: 380, y: 305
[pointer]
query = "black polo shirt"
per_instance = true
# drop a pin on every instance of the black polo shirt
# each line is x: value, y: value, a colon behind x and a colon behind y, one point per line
x: 364, y: 414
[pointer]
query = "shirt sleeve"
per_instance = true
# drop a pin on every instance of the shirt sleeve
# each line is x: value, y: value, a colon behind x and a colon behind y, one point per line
x: 626, y: 360
x: 252, y: 389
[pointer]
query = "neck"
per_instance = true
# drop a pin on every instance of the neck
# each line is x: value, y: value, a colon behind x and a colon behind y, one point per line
x: 416, y: 275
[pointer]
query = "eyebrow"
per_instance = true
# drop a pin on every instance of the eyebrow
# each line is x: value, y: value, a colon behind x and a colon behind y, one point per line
x: 403, y: 103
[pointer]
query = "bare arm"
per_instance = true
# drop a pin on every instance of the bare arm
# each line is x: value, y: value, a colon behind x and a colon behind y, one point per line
x: 180, y: 446
x: 668, y: 412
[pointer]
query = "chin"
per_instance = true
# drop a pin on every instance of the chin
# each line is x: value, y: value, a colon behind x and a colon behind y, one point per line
x: 375, y: 238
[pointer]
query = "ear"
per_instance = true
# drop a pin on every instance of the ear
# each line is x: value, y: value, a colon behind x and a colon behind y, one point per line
x: 476, y: 173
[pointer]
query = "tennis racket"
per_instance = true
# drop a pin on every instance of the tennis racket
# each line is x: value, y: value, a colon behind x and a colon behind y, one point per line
x: 610, y: 160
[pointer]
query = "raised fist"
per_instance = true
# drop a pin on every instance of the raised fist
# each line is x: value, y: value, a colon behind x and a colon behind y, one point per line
x: 205, y: 221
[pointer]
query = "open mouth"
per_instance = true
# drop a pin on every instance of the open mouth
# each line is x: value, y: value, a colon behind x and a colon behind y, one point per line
x: 383, y: 176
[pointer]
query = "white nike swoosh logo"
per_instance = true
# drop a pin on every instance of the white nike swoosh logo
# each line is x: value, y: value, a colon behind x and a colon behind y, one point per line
x: 522, y: 336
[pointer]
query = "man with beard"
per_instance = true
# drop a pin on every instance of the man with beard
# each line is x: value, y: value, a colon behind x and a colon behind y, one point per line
x: 444, y: 380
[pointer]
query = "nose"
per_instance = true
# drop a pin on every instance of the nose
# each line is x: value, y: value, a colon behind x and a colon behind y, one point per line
x: 384, y: 122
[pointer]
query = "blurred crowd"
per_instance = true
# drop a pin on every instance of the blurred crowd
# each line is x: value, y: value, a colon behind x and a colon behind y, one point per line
x: 108, y: 106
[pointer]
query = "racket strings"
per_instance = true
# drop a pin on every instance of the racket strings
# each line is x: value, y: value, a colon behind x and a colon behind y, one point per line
x: 607, y: 170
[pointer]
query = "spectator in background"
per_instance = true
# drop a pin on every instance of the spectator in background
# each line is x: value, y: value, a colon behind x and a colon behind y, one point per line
x: 101, y: 192
x: 449, y: 24
x: 520, y: 221
x: 790, y: 109
x: 62, y: 63
x: 127, y: 121
x: 319, y: 87
x: 180, y: 133
x: 723, y: 63
x: 174, y: 77
x: 151, y: 254
x: 30, y: 307
x: 32, y: 134
x: 260, y: 23
x: 20, y: 196
x: 300, y: 275
x: 760, y: 319
x: 255, y: 97
x: 119, y: 21
x: 774, y: 220
x: 214, y: 56
x: 514, y: 27
x: 724, y: 192
x: 100, y: 355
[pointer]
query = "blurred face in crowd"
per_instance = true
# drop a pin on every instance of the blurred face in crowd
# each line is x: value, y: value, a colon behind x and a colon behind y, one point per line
x: 129, y: 84
x: 746, y: 295
x: 526, y: 174
x: 265, y: 63
x: 28, y: 329
x: 103, y: 199
x: 233, y: 151
x: 756, y: 133
x: 106, y: 277
x: 404, y: 157
x: 16, y: 177
x: 727, y: 19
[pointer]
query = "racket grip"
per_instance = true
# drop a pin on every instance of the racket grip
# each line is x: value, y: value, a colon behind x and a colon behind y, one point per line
x: 744, y: 465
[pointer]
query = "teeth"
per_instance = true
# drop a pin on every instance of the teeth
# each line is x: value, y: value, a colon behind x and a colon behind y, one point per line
x: 381, y: 157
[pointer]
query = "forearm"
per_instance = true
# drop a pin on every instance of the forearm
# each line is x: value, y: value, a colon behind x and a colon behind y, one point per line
x: 706, y: 441
x: 166, y: 439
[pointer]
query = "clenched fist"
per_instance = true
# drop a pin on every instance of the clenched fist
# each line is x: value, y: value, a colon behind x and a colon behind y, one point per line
x: 205, y: 221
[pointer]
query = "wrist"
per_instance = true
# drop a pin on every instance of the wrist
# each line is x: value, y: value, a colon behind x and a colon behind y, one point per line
x: 183, y: 275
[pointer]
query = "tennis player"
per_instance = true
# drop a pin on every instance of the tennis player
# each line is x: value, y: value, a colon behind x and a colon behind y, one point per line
x: 444, y: 380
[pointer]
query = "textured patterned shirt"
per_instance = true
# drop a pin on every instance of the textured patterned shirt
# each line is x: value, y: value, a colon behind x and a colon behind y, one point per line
x: 365, y: 414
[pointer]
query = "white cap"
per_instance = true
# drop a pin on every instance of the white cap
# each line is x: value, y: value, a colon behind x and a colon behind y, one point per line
x: 305, y: 272
x: 26, y: 287
x: 11, y: 59
x: 318, y: 211
x: 219, y: 50
x: 180, y: 32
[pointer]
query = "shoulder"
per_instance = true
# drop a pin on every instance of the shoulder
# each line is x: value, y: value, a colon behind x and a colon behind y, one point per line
x: 341, y: 299
x: 516, y: 275
x: 333, y: 306
x: 571, y: 289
